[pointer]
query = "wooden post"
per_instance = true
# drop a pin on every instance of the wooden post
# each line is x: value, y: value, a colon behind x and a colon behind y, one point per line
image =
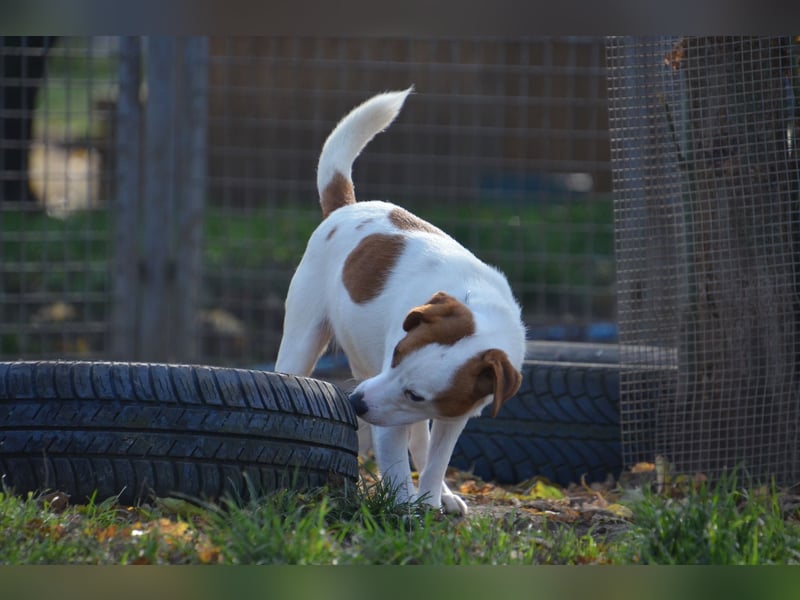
x: 155, y: 334
x: 160, y: 200
x: 190, y: 193
x: 128, y: 147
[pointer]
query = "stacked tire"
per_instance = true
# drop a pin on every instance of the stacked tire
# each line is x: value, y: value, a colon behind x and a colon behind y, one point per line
x: 134, y: 431
x: 563, y: 423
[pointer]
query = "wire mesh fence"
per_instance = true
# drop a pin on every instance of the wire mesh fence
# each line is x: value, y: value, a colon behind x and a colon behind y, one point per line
x: 55, y: 168
x: 706, y: 185
x: 157, y: 194
x: 505, y: 145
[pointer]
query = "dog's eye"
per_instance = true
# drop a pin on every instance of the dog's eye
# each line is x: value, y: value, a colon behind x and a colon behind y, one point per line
x: 413, y: 396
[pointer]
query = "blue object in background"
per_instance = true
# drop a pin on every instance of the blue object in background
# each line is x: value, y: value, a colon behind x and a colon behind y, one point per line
x: 603, y: 332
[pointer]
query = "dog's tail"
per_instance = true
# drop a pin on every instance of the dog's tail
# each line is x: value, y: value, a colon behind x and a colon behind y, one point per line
x: 345, y: 143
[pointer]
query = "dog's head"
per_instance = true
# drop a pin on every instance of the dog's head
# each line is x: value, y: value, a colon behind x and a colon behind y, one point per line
x: 443, y: 368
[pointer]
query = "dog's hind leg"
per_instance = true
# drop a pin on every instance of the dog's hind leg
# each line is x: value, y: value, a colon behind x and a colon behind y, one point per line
x: 302, y: 344
x: 299, y: 354
x: 306, y: 329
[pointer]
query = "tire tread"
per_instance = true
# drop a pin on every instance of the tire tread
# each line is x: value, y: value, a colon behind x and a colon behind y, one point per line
x: 129, y: 429
x: 563, y: 424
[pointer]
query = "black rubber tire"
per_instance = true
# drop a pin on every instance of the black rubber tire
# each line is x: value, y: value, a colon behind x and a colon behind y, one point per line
x: 562, y: 424
x: 134, y: 431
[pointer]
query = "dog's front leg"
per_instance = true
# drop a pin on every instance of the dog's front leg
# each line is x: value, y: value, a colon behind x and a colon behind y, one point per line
x: 391, y: 452
x: 432, y: 487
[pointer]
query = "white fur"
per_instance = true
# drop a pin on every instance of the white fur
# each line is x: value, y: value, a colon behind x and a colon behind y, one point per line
x: 318, y: 306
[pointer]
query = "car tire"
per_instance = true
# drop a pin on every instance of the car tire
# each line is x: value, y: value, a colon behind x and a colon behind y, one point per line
x: 563, y: 423
x: 96, y: 430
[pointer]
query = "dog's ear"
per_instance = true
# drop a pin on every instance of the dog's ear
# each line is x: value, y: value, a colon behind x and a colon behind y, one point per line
x: 440, y: 305
x: 498, y: 377
x: 445, y: 320
x: 413, y: 318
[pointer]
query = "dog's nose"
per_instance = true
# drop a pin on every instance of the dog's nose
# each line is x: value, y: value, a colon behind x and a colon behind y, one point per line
x: 357, y: 402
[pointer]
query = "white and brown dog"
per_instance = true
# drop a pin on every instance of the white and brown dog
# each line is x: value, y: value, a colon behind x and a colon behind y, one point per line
x: 432, y: 332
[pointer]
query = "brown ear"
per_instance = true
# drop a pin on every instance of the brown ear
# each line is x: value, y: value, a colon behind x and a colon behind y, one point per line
x: 440, y: 305
x: 444, y: 320
x: 413, y: 319
x: 499, y: 377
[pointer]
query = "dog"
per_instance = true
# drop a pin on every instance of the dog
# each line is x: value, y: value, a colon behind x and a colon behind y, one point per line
x: 432, y: 333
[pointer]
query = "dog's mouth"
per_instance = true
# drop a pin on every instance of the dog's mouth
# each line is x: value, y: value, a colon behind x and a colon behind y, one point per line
x: 381, y: 416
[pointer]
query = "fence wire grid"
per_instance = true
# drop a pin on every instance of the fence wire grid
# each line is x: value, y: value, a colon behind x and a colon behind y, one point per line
x: 55, y: 174
x: 118, y: 243
x: 504, y: 144
x: 705, y: 169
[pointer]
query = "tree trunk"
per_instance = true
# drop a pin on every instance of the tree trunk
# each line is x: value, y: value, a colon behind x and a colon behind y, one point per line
x: 737, y: 396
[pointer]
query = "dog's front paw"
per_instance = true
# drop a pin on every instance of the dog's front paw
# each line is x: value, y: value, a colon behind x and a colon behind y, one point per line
x: 454, y: 504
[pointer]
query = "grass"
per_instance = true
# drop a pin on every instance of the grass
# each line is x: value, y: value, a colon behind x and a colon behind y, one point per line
x: 50, y: 255
x: 723, y: 524
x: 553, y: 264
x: 283, y: 528
x: 553, y: 244
x: 545, y: 251
x: 719, y: 524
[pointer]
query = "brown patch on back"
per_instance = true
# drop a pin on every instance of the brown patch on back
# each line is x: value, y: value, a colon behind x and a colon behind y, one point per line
x: 443, y: 320
x: 402, y: 219
x: 485, y: 373
x: 338, y: 193
x: 368, y: 266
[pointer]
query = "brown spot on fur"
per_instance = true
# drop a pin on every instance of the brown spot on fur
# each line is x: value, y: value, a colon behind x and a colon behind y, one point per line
x: 338, y: 193
x: 364, y: 223
x: 402, y: 219
x: 443, y: 320
x: 368, y: 266
x: 486, y: 373
x: 331, y: 233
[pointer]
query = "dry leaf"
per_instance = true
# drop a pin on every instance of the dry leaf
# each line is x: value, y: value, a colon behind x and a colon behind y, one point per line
x: 472, y: 487
x: 618, y: 510
x: 643, y: 467
x: 543, y: 490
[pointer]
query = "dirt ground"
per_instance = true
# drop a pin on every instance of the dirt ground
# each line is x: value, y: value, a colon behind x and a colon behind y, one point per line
x: 537, y: 503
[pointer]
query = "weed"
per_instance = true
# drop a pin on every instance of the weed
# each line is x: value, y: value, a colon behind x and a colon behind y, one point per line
x: 718, y: 523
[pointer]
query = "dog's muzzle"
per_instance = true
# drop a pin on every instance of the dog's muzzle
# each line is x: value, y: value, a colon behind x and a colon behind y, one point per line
x: 357, y: 402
